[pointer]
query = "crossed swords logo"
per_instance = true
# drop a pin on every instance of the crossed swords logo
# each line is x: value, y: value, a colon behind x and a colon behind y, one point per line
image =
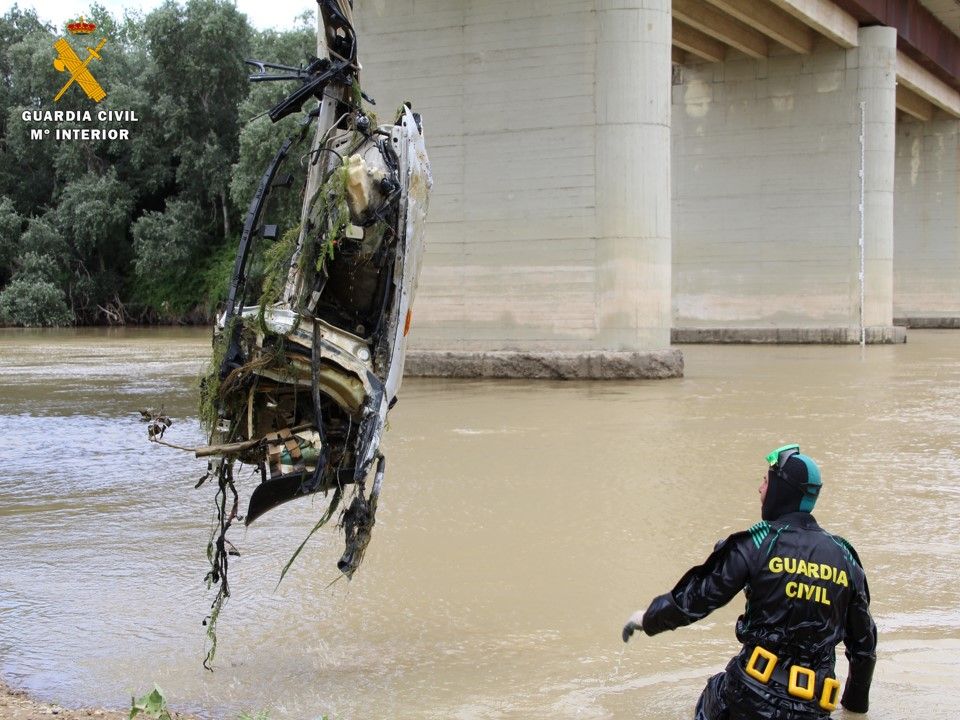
x: 68, y: 61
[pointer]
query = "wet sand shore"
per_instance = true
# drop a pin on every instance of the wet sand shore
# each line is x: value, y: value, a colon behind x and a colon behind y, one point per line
x: 17, y: 705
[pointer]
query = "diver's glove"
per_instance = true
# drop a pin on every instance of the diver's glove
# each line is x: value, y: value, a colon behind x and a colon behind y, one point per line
x: 856, y: 694
x: 633, y: 624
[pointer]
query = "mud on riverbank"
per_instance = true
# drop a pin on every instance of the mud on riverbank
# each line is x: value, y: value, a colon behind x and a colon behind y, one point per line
x: 17, y: 705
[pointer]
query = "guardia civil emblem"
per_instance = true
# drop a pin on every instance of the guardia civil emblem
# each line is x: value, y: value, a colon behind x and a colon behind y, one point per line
x: 68, y: 61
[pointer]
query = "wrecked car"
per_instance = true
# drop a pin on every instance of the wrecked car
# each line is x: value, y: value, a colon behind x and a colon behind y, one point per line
x: 309, y: 348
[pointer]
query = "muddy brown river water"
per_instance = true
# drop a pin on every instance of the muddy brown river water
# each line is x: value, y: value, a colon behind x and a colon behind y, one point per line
x: 520, y: 524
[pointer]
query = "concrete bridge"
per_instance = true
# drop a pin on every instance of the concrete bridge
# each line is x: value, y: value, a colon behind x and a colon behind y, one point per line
x: 614, y: 174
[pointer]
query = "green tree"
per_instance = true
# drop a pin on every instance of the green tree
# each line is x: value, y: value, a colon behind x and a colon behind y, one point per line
x: 31, y: 303
x: 32, y: 298
x: 200, y: 80
x: 37, y: 267
x: 15, y: 26
x: 11, y: 226
x: 93, y: 214
x: 167, y: 245
x: 150, y: 222
x: 43, y: 238
x: 31, y: 83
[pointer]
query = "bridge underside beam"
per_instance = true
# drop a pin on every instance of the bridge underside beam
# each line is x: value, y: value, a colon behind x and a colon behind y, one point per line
x: 697, y: 43
x: 916, y: 78
x: 825, y: 17
x: 913, y: 105
x: 721, y: 26
x: 768, y: 19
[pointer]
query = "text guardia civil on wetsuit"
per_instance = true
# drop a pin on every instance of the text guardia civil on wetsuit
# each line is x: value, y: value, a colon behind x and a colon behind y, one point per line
x: 816, y: 571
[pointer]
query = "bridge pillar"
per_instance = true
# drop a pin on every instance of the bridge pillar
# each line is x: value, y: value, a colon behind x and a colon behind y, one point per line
x: 877, y: 85
x: 548, y: 126
x: 633, y: 173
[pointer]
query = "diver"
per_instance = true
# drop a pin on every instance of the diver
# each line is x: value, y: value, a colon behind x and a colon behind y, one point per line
x: 806, y: 591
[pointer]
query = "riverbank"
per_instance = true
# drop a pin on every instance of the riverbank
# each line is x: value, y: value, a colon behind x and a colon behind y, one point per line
x: 17, y: 705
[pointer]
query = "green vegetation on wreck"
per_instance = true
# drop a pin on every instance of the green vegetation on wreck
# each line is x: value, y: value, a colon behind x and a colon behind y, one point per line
x: 269, y: 268
x: 209, y: 396
x: 276, y: 268
x: 143, y: 230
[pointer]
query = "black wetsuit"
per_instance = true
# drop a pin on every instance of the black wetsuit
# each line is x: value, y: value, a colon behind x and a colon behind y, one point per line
x: 806, y: 591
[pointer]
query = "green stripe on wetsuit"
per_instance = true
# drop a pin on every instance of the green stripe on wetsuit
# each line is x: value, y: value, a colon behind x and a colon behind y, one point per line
x: 759, y: 532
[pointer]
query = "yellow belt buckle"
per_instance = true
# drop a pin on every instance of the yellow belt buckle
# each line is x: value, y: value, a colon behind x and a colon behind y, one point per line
x: 752, y: 669
x: 830, y: 695
x: 806, y: 691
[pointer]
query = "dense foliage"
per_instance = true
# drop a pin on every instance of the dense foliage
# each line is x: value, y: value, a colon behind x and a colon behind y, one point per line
x: 144, y: 229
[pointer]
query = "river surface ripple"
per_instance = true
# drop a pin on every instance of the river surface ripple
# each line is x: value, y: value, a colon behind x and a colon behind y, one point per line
x: 520, y: 524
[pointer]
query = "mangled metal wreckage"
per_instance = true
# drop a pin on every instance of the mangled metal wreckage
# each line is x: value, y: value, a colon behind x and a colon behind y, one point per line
x: 309, y: 349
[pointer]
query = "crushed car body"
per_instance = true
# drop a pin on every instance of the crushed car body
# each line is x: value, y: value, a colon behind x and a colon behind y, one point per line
x: 309, y: 348
x: 314, y: 373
